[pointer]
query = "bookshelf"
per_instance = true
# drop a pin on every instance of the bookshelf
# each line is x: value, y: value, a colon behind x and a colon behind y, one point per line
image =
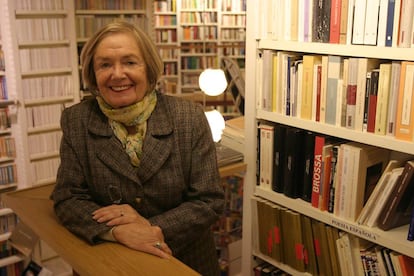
x: 193, y: 36
x: 11, y: 261
x: 92, y: 15
x: 262, y: 37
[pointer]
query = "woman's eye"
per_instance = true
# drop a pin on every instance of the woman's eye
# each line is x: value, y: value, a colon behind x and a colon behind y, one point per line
x: 105, y: 65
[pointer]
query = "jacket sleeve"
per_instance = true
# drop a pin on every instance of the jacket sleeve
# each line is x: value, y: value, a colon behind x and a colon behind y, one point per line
x: 204, y: 198
x: 72, y: 202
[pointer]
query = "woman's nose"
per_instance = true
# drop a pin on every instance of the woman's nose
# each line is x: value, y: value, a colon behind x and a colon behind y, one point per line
x: 118, y: 71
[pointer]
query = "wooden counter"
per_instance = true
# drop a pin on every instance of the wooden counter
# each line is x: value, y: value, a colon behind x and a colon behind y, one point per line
x: 35, y: 209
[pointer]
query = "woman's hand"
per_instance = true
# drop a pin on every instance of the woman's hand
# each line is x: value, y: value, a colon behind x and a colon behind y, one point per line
x: 114, y: 215
x: 145, y: 238
x: 133, y: 230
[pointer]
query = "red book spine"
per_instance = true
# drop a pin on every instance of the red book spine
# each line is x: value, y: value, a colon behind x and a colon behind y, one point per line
x: 317, y: 170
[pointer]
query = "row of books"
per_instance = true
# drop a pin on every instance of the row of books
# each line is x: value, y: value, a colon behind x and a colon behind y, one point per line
x: 365, y: 22
x: 4, y: 118
x: 8, y: 174
x: 166, y: 36
x: 337, y: 176
x: 87, y: 25
x: 200, y: 33
x: 227, y: 5
x: 40, y: 5
x: 47, y: 115
x: 308, y: 245
x: 363, y: 94
x: 198, y: 17
x: 44, y: 170
x: 40, y: 29
x: 195, y: 4
x: 47, y: 142
x: 165, y: 20
x: 110, y: 5
x: 7, y: 147
x: 47, y: 87
x: 165, y: 6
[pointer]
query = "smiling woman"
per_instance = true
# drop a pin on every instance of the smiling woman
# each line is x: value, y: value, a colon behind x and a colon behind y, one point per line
x: 137, y: 167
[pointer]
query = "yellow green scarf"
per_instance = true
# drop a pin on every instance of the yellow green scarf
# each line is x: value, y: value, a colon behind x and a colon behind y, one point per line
x: 132, y: 115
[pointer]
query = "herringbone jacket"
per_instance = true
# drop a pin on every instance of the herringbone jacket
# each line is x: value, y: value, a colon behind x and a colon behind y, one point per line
x: 176, y: 186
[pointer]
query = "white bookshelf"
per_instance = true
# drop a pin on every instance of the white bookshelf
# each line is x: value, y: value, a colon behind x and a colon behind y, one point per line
x: 395, y: 239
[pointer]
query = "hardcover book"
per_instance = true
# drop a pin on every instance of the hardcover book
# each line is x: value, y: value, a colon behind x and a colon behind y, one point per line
x: 397, y: 209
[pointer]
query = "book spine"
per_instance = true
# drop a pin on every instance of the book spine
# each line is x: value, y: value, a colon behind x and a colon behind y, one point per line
x: 317, y: 170
x: 410, y: 235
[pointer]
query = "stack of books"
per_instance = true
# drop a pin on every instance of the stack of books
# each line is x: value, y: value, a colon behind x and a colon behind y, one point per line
x: 233, y: 134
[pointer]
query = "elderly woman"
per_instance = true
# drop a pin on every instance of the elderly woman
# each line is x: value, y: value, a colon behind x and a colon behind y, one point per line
x: 137, y: 167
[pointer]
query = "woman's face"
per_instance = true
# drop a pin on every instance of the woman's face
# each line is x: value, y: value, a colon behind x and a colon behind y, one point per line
x: 120, y: 71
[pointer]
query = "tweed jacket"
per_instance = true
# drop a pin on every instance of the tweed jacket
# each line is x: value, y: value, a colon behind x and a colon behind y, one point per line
x: 176, y: 186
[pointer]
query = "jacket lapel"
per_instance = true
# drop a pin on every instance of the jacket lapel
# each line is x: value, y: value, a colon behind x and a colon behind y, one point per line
x: 108, y: 148
x: 158, y: 140
x: 157, y: 145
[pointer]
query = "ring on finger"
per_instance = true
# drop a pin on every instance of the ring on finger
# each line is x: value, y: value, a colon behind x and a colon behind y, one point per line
x: 158, y: 245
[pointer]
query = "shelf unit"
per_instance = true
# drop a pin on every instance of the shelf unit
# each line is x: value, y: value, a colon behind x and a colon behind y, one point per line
x: 12, y: 261
x: 92, y: 15
x: 395, y: 239
x: 193, y: 36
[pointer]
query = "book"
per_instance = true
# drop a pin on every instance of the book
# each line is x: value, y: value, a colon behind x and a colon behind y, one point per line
x: 397, y: 209
x: 335, y: 21
x: 279, y: 154
x: 404, y: 129
x: 309, y: 147
x: 323, y: 88
x: 396, y: 23
x: 406, y: 24
x: 406, y: 265
x: 309, y: 62
x: 389, y: 30
x: 358, y: 26
x: 368, y: 163
x: 343, y: 24
x: 364, y: 65
x: 266, y: 155
x: 332, y: 235
x: 293, y: 163
x: 351, y: 92
x: 311, y: 265
x: 389, y: 182
x: 371, y: 22
x: 321, y: 21
x: 393, y: 97
x: 372, y: 100
x: 335, y: 71
x: 410, y: 234
x: 382, y: 23
x: 384, y: 82
x: 371, y: 206
x: 366, y: 102
x: 227, y: 155
x: 317, y: 169
x: 321, y: 247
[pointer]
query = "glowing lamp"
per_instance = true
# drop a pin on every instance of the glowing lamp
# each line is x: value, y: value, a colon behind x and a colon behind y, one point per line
x: 212, y: 82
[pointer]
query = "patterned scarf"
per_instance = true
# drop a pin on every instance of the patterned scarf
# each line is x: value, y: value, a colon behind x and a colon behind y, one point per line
x: 132, y: 115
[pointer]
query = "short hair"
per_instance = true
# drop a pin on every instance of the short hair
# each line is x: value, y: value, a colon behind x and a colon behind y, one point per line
x: 153, y: 63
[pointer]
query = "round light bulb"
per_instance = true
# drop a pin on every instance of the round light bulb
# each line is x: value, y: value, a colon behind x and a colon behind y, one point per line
x: 212, y: 82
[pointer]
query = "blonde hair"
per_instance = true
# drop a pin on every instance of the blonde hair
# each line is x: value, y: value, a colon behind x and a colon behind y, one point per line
x: 153, y: 63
